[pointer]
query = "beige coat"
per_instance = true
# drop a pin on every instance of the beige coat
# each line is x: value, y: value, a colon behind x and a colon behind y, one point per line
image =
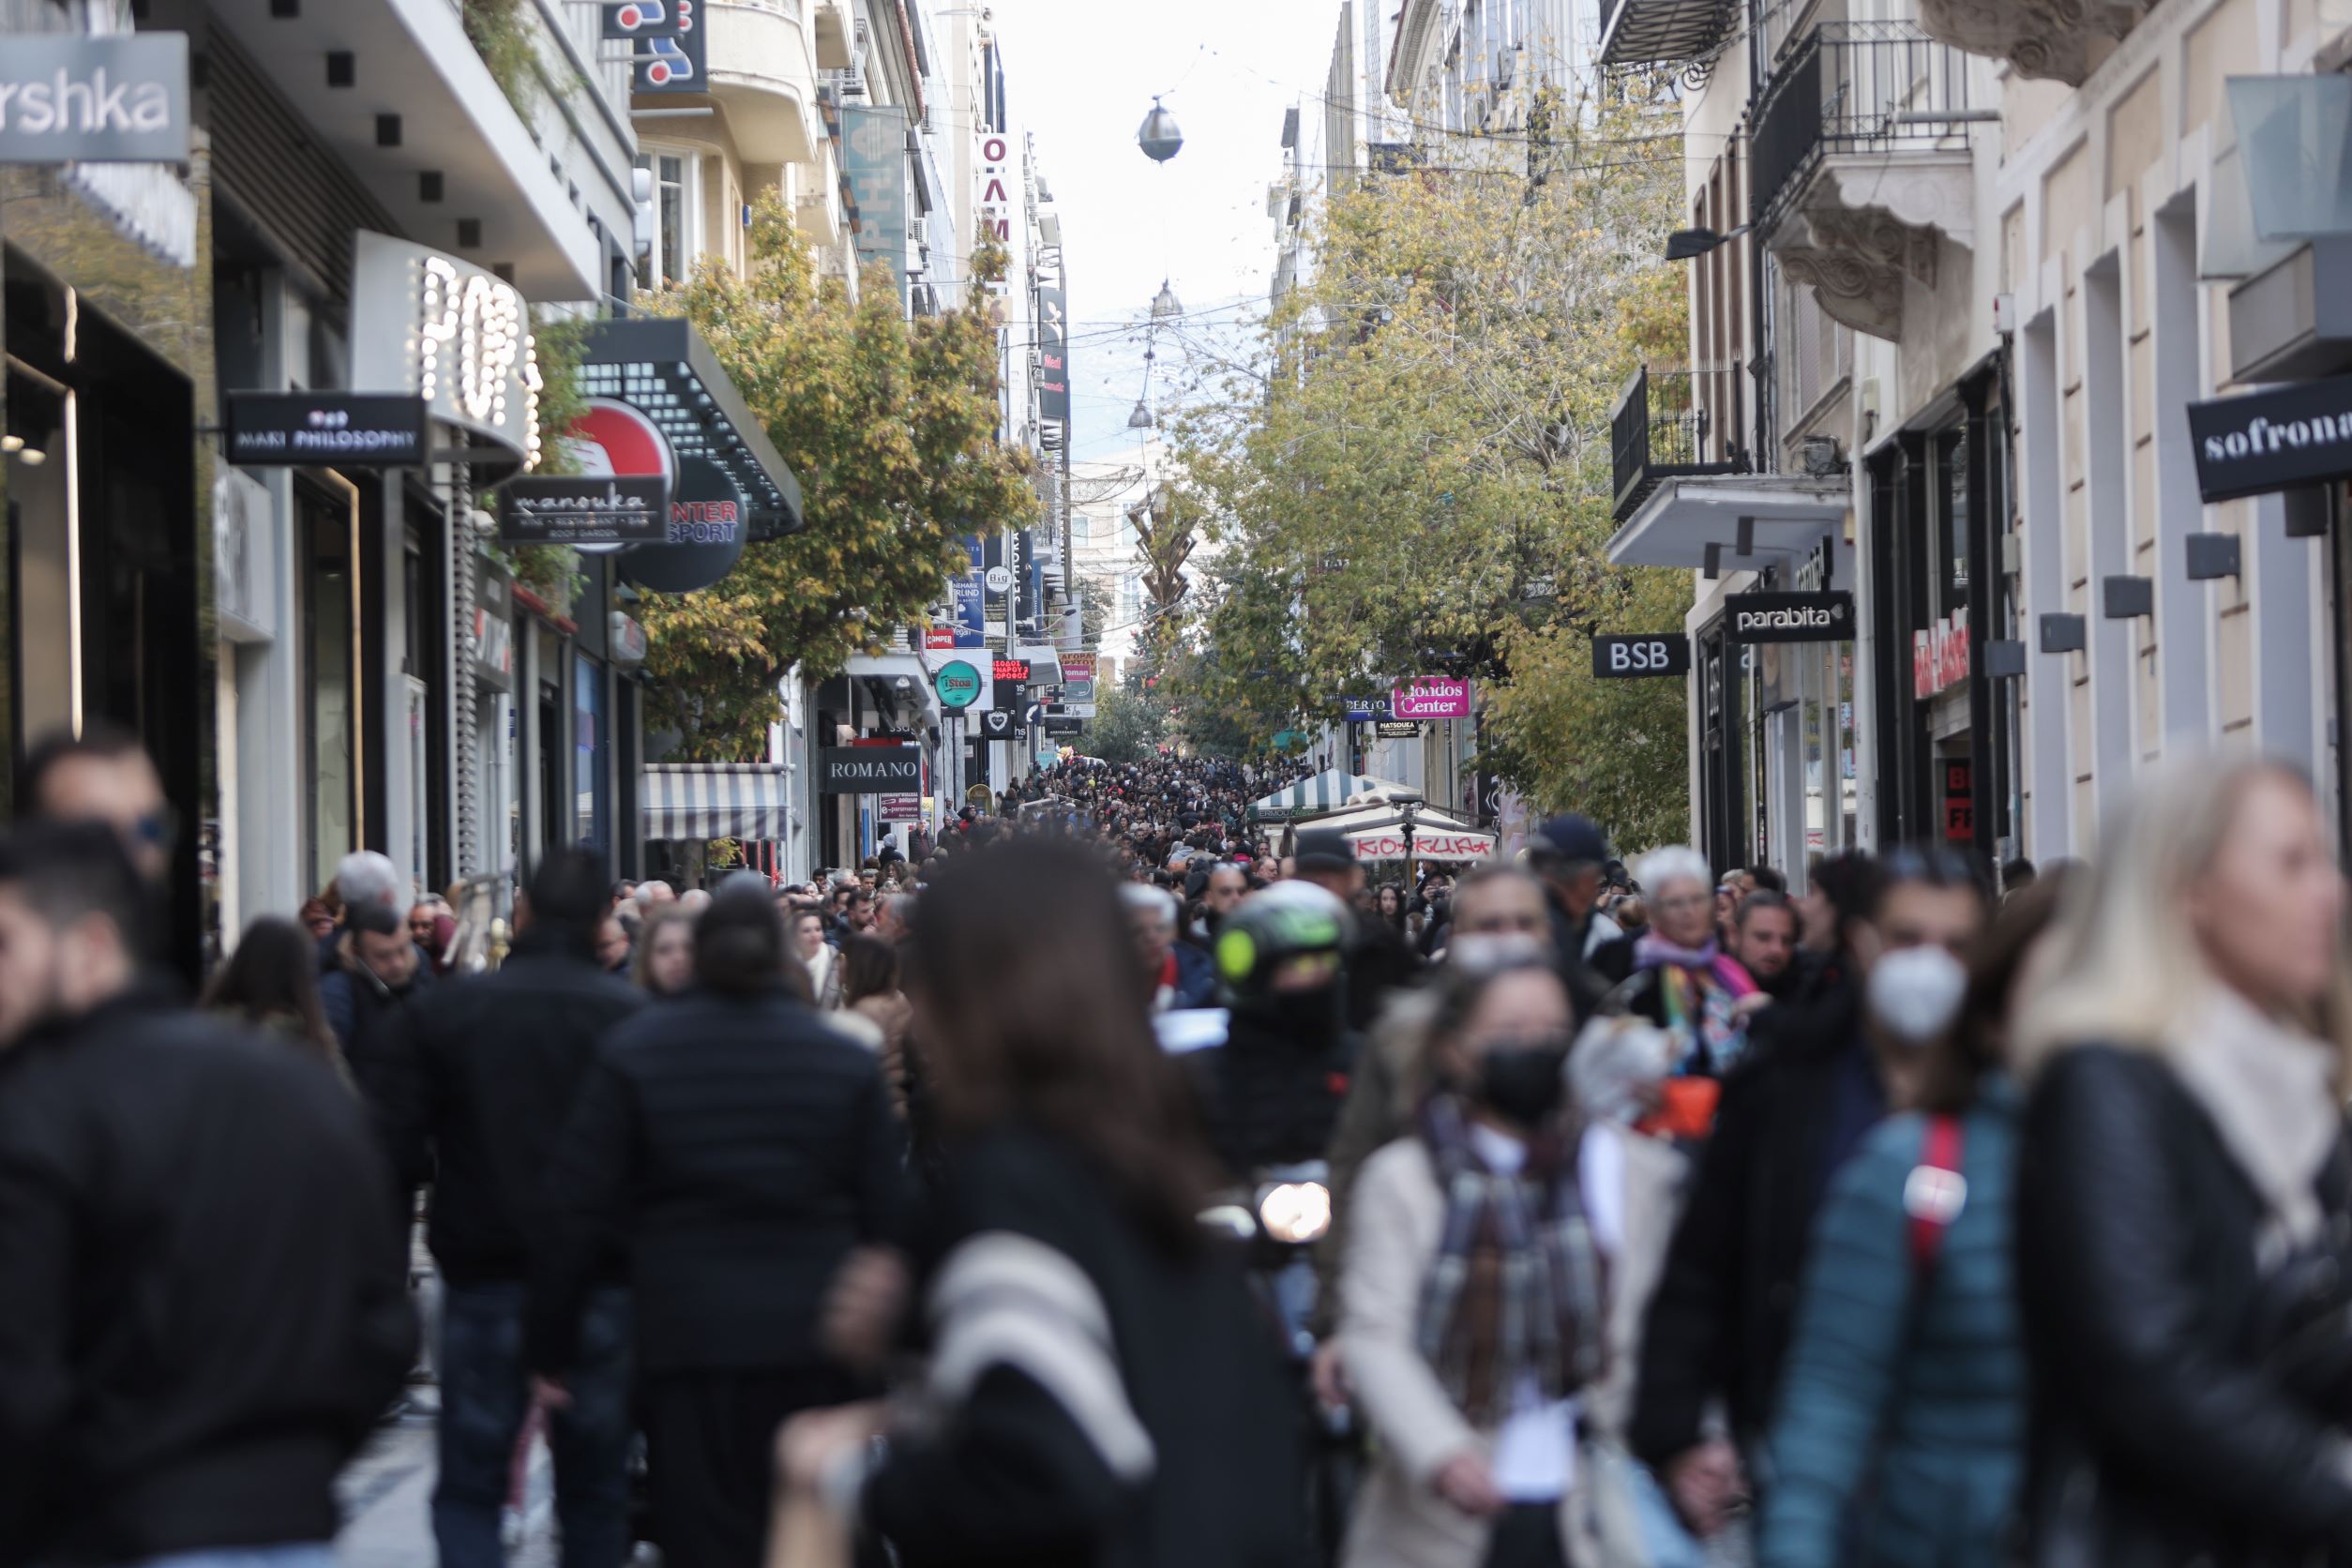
x: 1396, y: 1218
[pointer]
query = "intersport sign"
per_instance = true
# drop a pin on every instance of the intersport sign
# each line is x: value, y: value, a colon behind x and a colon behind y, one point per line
x: 81, y: 98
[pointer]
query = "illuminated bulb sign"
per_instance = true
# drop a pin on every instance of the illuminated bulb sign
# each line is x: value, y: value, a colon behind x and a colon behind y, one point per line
x: 450, y: 333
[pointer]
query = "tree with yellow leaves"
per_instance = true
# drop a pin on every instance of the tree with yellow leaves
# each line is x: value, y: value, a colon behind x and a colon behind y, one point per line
x: 890, y: 427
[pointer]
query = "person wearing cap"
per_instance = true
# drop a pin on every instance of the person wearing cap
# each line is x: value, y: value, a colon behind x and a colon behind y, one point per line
x: 1567, y: 856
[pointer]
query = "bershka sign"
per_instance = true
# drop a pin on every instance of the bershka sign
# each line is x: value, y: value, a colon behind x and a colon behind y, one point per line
x: 869, y: 770
x: 83, y: 98
x: 322, y: 430
x: 2273, y: 440
x: 1631, y: 657
x: 1792, y: 617
x: 617, y: 509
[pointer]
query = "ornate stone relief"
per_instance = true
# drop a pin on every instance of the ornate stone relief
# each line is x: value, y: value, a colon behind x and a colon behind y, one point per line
x: 2061, y: 39
x: 1865, y: 225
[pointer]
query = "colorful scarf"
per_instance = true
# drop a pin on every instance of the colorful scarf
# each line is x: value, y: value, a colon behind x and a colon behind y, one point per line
x: 1698, y: 988
x: 1516, y: 1289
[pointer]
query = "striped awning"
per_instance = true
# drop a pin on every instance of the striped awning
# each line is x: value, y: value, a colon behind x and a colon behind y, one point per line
x: 717, y: 800
x: 1326, y: 792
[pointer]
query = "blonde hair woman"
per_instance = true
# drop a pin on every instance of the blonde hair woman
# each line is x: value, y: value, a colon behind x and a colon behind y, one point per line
x: 2185, y: 1200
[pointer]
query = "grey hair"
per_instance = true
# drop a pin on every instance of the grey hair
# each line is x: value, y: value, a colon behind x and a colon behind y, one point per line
x: 1143, y: 899
x: 367, y: 877
x: 1675, y: 863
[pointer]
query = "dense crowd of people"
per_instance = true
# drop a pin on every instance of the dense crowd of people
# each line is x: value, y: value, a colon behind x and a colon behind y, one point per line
x: 1568, y: 1210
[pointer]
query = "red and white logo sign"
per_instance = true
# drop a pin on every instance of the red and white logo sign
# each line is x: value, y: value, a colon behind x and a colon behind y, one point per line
x: 614, y: 438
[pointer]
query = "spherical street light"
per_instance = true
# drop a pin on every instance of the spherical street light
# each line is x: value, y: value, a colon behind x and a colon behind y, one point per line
x: 1158, y: 136
x: 1165, y: 303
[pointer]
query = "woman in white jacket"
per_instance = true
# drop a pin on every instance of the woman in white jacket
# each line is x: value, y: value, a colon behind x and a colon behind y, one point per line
x: 1473, y: 1293
x: 820, y: 958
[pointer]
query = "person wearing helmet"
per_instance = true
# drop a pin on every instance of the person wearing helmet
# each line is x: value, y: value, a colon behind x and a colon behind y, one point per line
x: 1271, y: 1093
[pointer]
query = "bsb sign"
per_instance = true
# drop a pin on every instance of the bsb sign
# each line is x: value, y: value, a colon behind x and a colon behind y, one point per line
x: 1825, y: 617
x: 1618, y: 656
x: 869, y: 770
x: 2273, y: 440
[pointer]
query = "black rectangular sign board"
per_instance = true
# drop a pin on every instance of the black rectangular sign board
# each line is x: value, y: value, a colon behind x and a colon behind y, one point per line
x: 1634, y: 656
x: 625, y: 509
x: 325, y: 430
x: 1397, y: 729
x: 2273, y: 440
x: 1826, y: 617
x: 1065, y: 727
x: 868, y: 770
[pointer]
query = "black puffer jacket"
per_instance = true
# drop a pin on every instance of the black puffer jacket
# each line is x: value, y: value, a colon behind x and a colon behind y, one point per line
x: 2159, y: 1440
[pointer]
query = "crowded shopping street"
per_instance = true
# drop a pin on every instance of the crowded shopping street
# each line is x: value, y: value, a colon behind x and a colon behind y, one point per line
x: 1093, y: 784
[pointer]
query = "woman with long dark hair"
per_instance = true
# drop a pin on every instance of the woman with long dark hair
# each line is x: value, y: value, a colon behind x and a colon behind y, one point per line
x: 271, y: 985
x: 1111, y: 1393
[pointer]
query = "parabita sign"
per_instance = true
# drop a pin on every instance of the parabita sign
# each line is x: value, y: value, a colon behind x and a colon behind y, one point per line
x: 1827, y: 617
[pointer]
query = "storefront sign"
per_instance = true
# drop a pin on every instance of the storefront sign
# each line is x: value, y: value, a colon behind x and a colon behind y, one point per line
x: 1053, y: 358
x: 1791, y: 617
x: 1077, y: 677
x: 1011, y: 672
x: 1431, y: 697
x: 324, y: 430
x: 493, y: 628
x: 958, y: 685
x: 1364, y: 710
x: 83, y: 98
x: 676, y: 63
x: 970, y: 607
x: 706, y: 533
x: 643, y: 18
x: 1396, y: 729
x: 900, y: 809
x: 2277, y: 440
x: 995, y: 175
x: 998, y: 724
x: 869, y: 770
x: 1065, y: 725
x: 938, y: 638
x: 445, y: 330
x: 1959, y: 811
x: 1939, y: 656
x: 626, y: 636
x: 1389, y: 844
x: 631, y: 509
x: 874, y: 161
x: 1629, y: 657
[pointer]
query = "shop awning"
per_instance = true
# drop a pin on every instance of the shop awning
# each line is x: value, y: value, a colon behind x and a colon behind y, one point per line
x: 661, y: 366
x: 692, y: 801
x: 1327, y: 792
x: 1377, y: 832
x: 1737, y: 523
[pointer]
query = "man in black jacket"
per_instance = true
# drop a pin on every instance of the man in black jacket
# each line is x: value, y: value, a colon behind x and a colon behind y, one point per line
x: 1807, y: 1091
x: 199, y: 1322
x: 746, y: 1148
x: 1566, y: 855
x: 491, y: 1068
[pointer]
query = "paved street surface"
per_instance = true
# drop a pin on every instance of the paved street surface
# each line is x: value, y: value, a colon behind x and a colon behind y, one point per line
x: 387, y: 1499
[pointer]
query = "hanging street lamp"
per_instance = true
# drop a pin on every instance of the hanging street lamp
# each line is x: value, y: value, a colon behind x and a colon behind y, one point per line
x: 1158, y: 136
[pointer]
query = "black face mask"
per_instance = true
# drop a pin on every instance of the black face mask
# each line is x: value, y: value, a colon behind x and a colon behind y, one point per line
x: 1523, y: 1082
x: 1309, y: 1018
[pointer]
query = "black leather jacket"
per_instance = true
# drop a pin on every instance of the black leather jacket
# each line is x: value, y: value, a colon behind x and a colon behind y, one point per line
x: 2159, y: 1436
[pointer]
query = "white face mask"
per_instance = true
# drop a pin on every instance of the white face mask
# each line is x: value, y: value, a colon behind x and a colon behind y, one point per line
x: 1915, y: 992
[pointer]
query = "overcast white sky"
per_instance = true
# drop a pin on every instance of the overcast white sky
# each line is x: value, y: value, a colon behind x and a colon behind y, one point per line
x: 1080, y: 74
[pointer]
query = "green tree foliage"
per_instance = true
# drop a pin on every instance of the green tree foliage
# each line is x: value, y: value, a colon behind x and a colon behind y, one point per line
x: 1421, y: 482
x: 1127, y: 727
x: 890, y: 428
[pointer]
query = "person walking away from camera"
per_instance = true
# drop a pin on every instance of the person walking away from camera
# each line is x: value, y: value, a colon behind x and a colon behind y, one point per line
x: 1566, y: 855
x: 1686, y: 984
x: 199, y: 1323
x: 1110, y: 1393
x: 663, y: 964
x: 1473, y: 1294
x: 270, y: 987
x: 1813, y: 1085
x: 739, y: 1148
x: 491, y: 1068
x: 2184, y: 1193
x: 1378, y: 961
x: 1901, y: 1433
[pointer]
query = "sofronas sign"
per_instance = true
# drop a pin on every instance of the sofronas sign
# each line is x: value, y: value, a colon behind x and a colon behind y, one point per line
x: 2273, y: 440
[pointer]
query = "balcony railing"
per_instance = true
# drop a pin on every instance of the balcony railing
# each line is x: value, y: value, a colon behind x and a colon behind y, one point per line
x: 1658, y: 432
x: 1664, y: 32
x: 1855, y: 87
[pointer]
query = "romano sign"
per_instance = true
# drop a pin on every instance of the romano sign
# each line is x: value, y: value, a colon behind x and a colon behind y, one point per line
x: 869, y: 770
x: 1827, y: 617
x: 2273, y: 440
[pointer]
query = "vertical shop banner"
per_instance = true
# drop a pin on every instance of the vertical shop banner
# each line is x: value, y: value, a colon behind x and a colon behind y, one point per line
x: 1053, y: 356
x: 874, y: 157
x: 971, y: 615
x: 1029, y: 574
x: 676, y: 61
x: 1077, y: 678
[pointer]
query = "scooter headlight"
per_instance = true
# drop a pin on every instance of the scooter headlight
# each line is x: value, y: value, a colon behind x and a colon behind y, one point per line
x: 1295, y: 1213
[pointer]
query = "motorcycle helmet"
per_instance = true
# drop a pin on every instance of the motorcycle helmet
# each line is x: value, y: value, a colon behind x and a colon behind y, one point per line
x: 1285, y: 942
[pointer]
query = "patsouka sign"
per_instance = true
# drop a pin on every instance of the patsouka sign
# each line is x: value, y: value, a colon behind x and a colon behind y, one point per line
x: 324, y: 430
x: 1789, y: 617
x: 2273, y: 440
x: 868, y: 770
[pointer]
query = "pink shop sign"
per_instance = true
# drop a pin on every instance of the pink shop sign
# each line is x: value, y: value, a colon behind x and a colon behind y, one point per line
x: 1432, y: 696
